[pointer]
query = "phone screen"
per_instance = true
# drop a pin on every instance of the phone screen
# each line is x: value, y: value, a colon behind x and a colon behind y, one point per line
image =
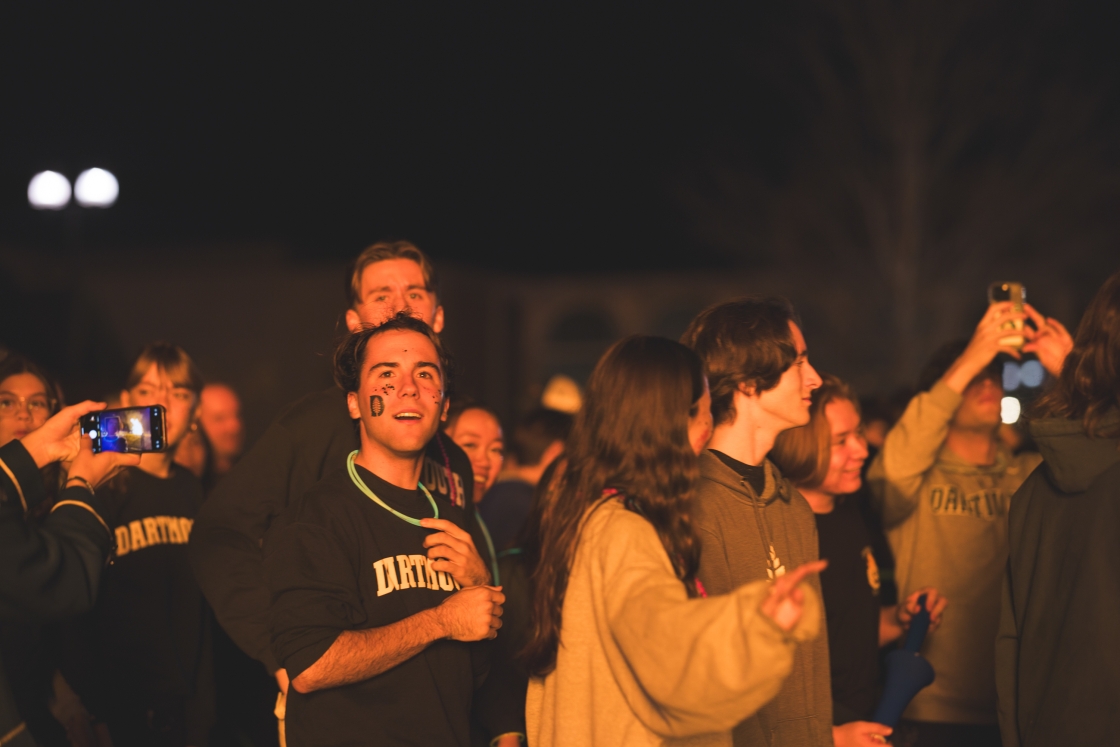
x: 1016, y: 294
x: 128, y: 429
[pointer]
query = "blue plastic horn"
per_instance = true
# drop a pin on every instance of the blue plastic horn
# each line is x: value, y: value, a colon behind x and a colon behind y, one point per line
x: 907, y: 671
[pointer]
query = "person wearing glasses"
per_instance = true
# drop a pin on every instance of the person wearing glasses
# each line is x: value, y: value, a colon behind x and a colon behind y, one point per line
x: 50, y: 567
x: 28, y: 397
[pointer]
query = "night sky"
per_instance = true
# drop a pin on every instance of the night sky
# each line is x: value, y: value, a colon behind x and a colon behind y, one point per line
x: 516, y: 137
x: 523, y: 138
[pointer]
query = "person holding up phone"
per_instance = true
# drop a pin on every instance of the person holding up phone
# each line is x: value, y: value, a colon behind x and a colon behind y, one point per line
x: 943, y: 482
x: 50, y: 569
x: 141, y: 662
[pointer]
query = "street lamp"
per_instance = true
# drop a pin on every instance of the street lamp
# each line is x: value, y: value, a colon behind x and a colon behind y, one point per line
x: 48, y: 190
x: 96, y: 188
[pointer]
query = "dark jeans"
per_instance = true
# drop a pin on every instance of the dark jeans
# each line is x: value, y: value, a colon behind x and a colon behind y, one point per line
x: 931, y: 734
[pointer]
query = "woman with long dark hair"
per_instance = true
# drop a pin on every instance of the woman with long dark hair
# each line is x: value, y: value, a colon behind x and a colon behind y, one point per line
x: 622, y: 651
x: 1057, y: 654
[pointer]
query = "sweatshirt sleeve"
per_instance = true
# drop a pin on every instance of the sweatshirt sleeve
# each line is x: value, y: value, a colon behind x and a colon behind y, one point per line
x: 225, y: 543
x: 51, y: 571
x: 1007, y: 668
x: 314, y: 593
x: 909, y: 451
x: 706, y: 664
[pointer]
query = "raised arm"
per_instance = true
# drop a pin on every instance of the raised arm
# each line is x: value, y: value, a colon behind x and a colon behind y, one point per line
x: 51, y: 571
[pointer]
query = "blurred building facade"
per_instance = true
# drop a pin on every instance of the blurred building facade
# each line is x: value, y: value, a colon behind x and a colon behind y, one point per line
x: 267, y: 325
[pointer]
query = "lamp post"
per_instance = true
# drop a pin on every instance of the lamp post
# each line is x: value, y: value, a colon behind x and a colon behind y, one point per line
x: 94, y: 188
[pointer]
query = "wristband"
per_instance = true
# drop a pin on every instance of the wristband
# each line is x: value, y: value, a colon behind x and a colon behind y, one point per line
x: 85, y: 483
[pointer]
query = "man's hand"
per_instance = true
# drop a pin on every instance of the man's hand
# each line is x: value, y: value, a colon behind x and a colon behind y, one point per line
x: 57, y: 439
x: 472, y: 614
x: 1051, y: 343
x: 935, y: 603
x: 97, y: 468
x: 784, y: 603
x: 860, y: 734
x: 453, y: 551
x: 983, y: 347
x: 281, y: 676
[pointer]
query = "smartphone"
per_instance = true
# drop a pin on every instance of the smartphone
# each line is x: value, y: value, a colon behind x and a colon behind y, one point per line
x: 1017, y: 295
x: 133, y: 430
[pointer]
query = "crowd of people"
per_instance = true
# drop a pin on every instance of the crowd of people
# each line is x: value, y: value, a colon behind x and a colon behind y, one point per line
x: 701, y: 548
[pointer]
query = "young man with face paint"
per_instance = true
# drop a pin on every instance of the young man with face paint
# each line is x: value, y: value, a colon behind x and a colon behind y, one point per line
x: 751, y: 522
x: 376, y: 585
x: 310, y: 439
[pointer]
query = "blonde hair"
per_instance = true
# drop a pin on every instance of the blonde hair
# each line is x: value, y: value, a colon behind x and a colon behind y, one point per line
x: 380, y: 252
x: 803, y: 454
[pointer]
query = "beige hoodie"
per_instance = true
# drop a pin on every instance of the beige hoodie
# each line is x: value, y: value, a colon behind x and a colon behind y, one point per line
x: 946, y: 521
x: 642, y: 664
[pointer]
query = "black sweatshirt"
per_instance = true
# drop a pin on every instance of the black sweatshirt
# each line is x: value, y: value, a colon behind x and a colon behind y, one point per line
x: 336, y: 561
x: 1058, y: 648
x: 310, y: 439
x: 51, y: 571
x: 148, y: 640
x: 47, y: 572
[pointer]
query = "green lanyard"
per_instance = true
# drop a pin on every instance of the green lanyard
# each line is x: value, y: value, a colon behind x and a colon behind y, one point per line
x: 370, y: 494
x: 490, y: 547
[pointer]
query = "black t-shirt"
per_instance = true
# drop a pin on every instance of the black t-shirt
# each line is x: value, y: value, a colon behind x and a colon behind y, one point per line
x: 851, y: 589
x: 150, y: 629
x: 310, y: 440
x: 755, y: 476
x: 337, y: 561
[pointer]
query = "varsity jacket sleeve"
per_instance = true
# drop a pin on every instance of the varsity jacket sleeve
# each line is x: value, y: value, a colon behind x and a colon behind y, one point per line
x: 51, y: 571
x: 909, y: 451
x: 225, y: 542
x: 706, y: 664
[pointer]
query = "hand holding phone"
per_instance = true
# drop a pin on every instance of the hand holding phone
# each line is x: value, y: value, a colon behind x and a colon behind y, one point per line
x: 126, y: 430
x: 1017, y: 295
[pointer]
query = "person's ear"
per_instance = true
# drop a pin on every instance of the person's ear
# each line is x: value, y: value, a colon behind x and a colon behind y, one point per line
x: 353, y: 406
x: 446, y: 405
x: 126, y: 400
x: 747, y: 390
x: 437, y: 320
x: 353, y: 321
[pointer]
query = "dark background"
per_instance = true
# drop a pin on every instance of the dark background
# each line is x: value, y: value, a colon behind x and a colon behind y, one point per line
x: 879, y: 163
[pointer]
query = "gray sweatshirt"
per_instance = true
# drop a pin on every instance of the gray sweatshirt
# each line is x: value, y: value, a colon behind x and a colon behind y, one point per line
x: 743, y: 538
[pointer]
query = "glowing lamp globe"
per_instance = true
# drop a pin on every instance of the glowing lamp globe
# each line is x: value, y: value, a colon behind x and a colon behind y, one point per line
x: 96, y: 188
x: 48, y: 190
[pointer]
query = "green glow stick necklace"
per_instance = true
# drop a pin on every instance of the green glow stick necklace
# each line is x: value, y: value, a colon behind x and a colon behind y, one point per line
x: 372, y: 496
